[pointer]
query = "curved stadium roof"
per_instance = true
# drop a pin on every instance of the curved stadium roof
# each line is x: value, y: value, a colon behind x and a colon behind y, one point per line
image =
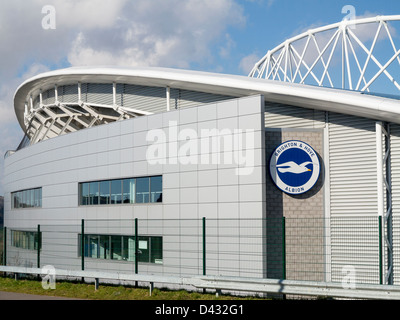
x: 319, y: 98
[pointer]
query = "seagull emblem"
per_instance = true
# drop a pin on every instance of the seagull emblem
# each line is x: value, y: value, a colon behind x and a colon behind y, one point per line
x: 293, y: 167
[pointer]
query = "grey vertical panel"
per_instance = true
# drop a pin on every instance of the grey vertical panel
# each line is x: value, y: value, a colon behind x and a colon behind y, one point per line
x: 285, y: 116
x: 187, y: 98
x: 352, y: 144
x: 70, y: 93
x: 49, y: 96
x: 353, y: 197
x: 100, y: 93
x: 150, y: 99
x: 84, y: 90
x: 119, y: 94
x: 355, y: 249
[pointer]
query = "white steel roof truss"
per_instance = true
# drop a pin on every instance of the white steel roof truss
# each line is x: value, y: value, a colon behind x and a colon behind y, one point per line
x: 276, y: 64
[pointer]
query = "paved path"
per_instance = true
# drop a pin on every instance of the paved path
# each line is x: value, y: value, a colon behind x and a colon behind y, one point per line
x: 22, y: 296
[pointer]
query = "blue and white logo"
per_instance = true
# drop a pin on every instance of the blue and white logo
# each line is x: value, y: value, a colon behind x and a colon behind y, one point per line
x: 294, y: 167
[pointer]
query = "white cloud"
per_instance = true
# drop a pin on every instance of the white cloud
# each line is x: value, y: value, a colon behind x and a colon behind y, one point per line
x: 173, y: 33
x: 87, y: 14
x: 247, y: 63
x: 225, y: 50
x: 10, y: 132
x: 158, y: 33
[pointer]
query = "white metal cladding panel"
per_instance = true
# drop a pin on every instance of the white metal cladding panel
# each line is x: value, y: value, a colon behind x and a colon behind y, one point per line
x: 353, y: 197
x: 395, y: 179
x: 284, y: 116
x: 352, y: 158
x: 185, y: 98
x: 100, y: 93
x: 355, y: 249
x: 151, y: 99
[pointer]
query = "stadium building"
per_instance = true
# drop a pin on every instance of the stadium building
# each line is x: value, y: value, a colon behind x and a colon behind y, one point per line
x: 124, y: 168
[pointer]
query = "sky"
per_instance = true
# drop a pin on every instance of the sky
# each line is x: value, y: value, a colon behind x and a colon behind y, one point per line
x: 223, y: 36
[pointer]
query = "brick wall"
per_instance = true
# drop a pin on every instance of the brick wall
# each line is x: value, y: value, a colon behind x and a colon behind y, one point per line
x: 304, y: 216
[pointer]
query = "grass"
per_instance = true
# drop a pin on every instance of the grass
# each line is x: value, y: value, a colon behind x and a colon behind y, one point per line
x: 80, y: 290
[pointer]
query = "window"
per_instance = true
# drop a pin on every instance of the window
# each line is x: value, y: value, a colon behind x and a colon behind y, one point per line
x: 104, y: 192
x: 128, y: 246
x: 122, y: 247
x: 156, y: 189
x: 116, y: 247
x: 94, y: 193
x: 24, y: 239
x: 142, y: 190
x: 116, y: 192
x: 130, y: 190
x: 104, y: 247
x: 84, y: 192
x: 31, y: 198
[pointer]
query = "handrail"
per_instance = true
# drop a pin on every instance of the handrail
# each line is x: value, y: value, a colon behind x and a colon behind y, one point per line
x: 295, y: 287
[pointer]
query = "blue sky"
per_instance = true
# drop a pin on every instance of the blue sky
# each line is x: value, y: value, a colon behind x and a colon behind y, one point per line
x: 225, y: 36
x: 269, y: 23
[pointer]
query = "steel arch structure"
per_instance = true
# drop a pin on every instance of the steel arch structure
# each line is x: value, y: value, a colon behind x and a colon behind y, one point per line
x: 45, y: 120
x: 345, y: 55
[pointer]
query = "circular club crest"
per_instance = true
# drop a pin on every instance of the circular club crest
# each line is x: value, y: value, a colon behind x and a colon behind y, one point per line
x: 294, y: 167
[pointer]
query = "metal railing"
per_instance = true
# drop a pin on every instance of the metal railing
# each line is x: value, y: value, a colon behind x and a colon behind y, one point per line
x: 335, y: 253
x: 229, y: 284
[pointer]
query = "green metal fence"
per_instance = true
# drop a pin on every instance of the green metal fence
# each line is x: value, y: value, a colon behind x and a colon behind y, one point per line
x: 278, y: 248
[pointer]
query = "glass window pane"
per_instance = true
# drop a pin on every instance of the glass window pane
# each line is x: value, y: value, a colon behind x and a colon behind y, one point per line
x: 24, y: 197
x: 28, y: 199
x: 156, y: 250
x: 144, y: 249
x: 84, y: 193
x: 104, y: 247
x: 129, y: 248
x: 86, y: 246
x: 129, y: 187
x: 94, y: 193
x: 156, y: 189
x: 40, y: 197
x: 37, y: 199
x: 36, y: 241
x: 20, y: 205
x: 105, y: 192
x: 116, y: 191
x: 31, y: 240
x: 93, y: 246
x: 17, y: 238
x: 142, y: 190
x: 32, y: 196
x: 116, y: 247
